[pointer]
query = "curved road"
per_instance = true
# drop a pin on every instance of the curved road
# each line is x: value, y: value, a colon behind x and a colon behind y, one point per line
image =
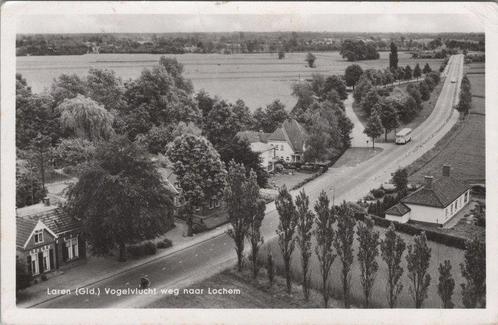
x: 343, y: 183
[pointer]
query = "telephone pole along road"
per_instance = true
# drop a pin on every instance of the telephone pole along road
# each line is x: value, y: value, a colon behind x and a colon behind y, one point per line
x: 344, y: 183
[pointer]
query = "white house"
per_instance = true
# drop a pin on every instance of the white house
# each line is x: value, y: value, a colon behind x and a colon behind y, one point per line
x: 434, y: 203
x: 289, y: 141
x: 258, y: 143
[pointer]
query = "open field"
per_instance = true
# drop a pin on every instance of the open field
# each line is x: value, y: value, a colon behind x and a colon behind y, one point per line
x: 427, y: 108
x: 254, y: 293
x: 258, y: 79
x: 463, y: 148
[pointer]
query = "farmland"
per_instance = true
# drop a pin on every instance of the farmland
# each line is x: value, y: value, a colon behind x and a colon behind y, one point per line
x: 258, y: 79
x: 464, y: 146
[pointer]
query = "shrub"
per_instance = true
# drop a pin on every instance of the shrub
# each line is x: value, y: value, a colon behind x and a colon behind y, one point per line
x: 150, y: 248
x: 165, y: 243
x: 377, y: 193
x: 44, y: 277
x: 136, y: 250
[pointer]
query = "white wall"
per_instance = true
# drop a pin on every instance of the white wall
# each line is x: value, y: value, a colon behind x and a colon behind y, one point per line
x: 403, y: 219
x: 426, y: 214
x: 438, y: 215
x: 286, y: 153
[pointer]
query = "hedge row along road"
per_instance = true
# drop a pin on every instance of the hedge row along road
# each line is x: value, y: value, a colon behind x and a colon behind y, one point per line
x: 342, y: 183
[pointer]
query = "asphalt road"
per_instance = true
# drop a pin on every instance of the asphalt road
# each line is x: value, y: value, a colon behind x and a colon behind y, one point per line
x: 343, y: 183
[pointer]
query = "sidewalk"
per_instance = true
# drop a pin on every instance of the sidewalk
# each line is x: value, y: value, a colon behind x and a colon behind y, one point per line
x: 96, y: 269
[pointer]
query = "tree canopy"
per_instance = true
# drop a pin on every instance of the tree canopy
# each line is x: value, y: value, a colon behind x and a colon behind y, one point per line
x: 120, y: 198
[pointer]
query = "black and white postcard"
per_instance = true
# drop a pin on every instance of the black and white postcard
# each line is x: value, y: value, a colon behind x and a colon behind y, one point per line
x: 249, y: 162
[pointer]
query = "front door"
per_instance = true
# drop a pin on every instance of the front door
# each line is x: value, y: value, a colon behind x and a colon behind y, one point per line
x: 40, y: 262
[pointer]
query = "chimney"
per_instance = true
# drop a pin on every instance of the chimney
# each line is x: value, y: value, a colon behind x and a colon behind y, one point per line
x: 428, y: 182
x: 446, y: 171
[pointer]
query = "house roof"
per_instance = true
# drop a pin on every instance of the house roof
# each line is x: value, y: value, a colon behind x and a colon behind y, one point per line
x: 55, y: 220
x: 292, y: 132
x: 399, y: 209
x: 24, y: 228
x: 442, y: 193
x: 253, y: 136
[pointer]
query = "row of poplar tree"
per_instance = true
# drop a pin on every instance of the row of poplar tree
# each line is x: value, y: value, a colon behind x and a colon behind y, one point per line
x: 333, y: 228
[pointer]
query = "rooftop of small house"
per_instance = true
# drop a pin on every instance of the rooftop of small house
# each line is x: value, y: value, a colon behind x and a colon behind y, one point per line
x: 291, y: 131
x: 51, y: 216
x: 438, y: 193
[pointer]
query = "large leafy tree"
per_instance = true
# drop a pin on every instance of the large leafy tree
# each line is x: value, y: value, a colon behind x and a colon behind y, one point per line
x: 106, y: 88
x: 343, y: 243
x: 286, y: 229
x: 388, y: 117
x: 271, y: 118
x: 474, y: 271
x: 221, y: 124
x: 352, y: 75
x: 363, y: 86
x: 369, y: 101
x: 368, y: 251
x: 324, y: 232
x: 73, y: 152
x: 29, y: 189
x: 418, y: 259
x: 304, y: 232
x: 374, y: 127
x: 34, y: 114
x: 120, y: 198
x: 335, y: 83
x: 86, y: 118
x: 427, y: 68
x: 240, y: 151
x: 200, y: 171
x: 164, y: 94
x: 392, y: 248
x: 67, y: 86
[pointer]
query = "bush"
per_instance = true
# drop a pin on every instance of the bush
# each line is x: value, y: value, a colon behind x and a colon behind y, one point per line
x: 165, y: 243
x: 279, y: 168
x: 150, y: 248
x: 412, y: 230
x: 44, y: 277
x: 136, y: 250
x: 377, y: 193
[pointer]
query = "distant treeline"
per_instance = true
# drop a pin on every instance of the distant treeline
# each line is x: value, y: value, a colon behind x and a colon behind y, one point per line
x: 238, y: 42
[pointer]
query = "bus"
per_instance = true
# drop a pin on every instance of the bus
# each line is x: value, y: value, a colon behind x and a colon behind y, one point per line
x: 404, y: 136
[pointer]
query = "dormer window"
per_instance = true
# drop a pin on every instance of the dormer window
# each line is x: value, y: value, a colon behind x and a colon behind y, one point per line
x: 38, y: 236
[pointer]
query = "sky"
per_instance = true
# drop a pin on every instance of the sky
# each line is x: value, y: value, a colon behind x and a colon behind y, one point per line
x: 164, y: 23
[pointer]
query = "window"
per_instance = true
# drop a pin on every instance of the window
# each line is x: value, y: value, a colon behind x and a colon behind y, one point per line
x: 211, y: 204
x: 466, y: 198
x: 452, y: 209
x: 446, y: 211
x: 287, y: 158
x: 72, y: 248
x: 39, y: 236
x: 456, y: 205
